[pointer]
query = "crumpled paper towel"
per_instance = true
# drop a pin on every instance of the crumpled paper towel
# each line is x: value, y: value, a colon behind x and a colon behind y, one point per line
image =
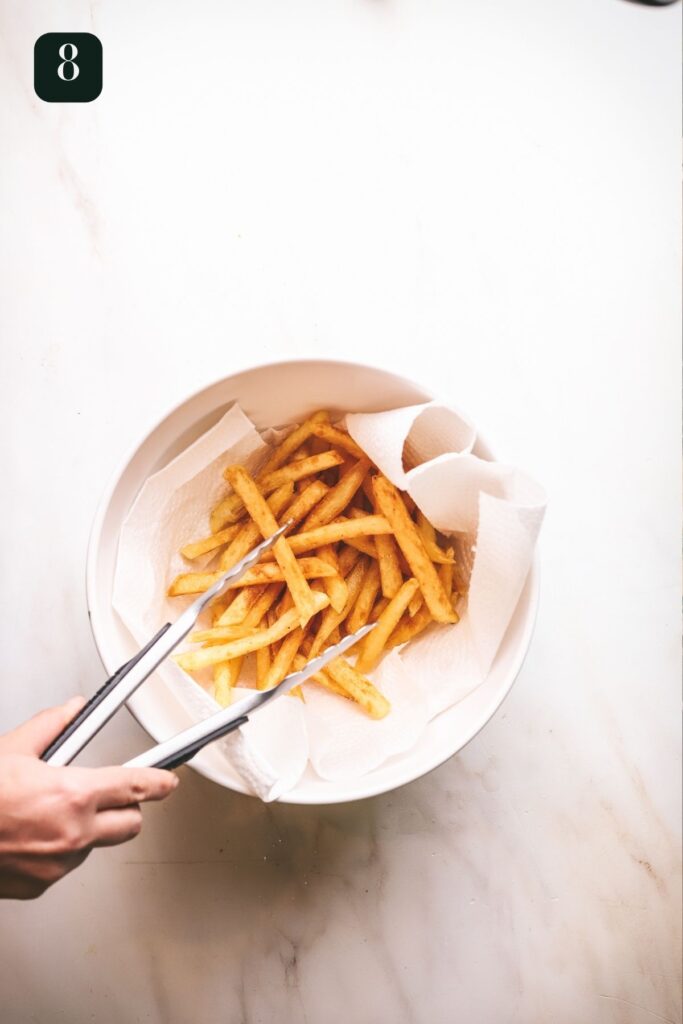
x: 494, y: 511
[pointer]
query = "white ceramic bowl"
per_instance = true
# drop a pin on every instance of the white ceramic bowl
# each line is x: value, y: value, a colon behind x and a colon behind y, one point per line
x: 272, y: 395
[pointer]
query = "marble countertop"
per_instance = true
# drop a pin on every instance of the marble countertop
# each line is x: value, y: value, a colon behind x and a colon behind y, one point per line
x: 481, y: 196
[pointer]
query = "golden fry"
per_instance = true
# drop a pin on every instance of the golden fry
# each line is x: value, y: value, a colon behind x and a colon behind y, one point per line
x: 334, y: 503
x: 338, y: 439
x: 415, y: 604
x: 360, y: 613
x: 335, y: 586
x: 287, y: 623
x: 265, y: 572
x: 257, y: 507
x: 292, y: 442
x: 332, y: 533
x: 428, y: 534
x: 211, y: 543
x: 373, y: 644
x: 410, y: 627
x: 249, y: 534
x: 230, y: 509
x: 331, y: 619
x: 281, y: 663
x: 263, y: 662
x: 219, y: 634
x: 391, y: 506
x: 358, y: 687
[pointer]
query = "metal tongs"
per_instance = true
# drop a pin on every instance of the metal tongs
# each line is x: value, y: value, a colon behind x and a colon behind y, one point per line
x: 180, y: 748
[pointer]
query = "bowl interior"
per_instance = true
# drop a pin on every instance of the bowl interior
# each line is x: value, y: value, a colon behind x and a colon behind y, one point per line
x: 274, y: 395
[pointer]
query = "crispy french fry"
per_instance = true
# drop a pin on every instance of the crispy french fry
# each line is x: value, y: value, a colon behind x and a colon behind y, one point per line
x: 416, y: 604
x: 263, y: 603
x: 371, y: 647
x: 348, y: 557
x: 219, y: 634
x: 337, y: 438
x: 358, y: 687
x: 379, y: 608
x: 230, y: 509
x: 292, y: 442
x: 410, y: 627
x: 249, y: 534
x: 282, y: 661
x: 360, y: 613
x: 336, y: 501
x: 335, y: 586
x: 428, y: 534
x: 191, y: 661
x: 319, y: 677
x: 331, y: 619
x: 389, y: 566
x: 222, y: 683
x: 263, y: 662
x: 211, y: 543
x: 265, y: 572
x: 365, y: 545
x: 242, y: 601
x: 445, y: 572
x: 304, y: 501
x: 332, y: 533
x: 244, y: 485
x: 391, y: 506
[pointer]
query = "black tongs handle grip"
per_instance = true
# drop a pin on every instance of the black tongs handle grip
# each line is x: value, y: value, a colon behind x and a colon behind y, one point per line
x: 188, y: 752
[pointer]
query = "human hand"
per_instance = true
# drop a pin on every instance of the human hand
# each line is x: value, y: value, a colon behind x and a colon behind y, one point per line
x: 51, y: 818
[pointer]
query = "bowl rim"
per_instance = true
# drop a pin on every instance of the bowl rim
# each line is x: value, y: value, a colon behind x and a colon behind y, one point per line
x: 532, y: 581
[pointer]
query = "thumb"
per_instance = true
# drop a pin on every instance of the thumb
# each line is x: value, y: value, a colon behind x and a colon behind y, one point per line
x: 32, y: 737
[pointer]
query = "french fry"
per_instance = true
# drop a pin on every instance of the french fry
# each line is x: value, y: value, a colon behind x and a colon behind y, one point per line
x: 379, y: 608
x: 348, y: 557
x: 371, y: 647
x: 219, y: 634
x: 337, y: 438
x: 265, y: 572
x: 332, y: 533
x: 304, y: 501
x: 263, y: 603
x: 386, y: 551
x: 335, y: 586
x: 336, y: 501
x: 249, y: 534
x: 292, y: 442
x: 331, y: 619
x: 416, y: 604
x: 410, y: 627
x: 243, y: 484
x: 263, y: 662
x: 358, y: 687
x: 230, y: 509
x: 391, y: 506
x: 366, y: 545
x: 222, y: 683
x: 389, y: 566
x: 428, y: 535
x: 360, y: 613
x: 191, y: 661
x: 242, y: 601
x: 319, y: 677
x: 280, y: 665
x: 445, y: 572
x: 211, y: 543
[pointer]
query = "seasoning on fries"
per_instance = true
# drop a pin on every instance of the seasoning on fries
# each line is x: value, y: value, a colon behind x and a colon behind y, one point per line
x: 358, y: 551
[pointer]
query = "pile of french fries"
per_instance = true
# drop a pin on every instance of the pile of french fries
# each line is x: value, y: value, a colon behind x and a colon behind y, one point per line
x: 358, y: 551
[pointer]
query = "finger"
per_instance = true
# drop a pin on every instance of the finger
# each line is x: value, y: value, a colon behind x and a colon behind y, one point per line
x: 112, y: 827
x: 34, y: 736
x: 119, y: 787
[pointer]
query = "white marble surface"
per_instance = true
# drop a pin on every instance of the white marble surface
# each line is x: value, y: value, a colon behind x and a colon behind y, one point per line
x: 480, y: 195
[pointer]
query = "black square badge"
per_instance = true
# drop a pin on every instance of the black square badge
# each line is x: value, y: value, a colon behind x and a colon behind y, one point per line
x: 67, y: 67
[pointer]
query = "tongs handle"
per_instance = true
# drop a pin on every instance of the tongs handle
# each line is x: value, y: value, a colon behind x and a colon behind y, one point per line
x: 187, y: 752
x: 98, y: 697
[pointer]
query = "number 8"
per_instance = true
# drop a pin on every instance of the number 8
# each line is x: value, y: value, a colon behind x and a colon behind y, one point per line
x: 75, y: 70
